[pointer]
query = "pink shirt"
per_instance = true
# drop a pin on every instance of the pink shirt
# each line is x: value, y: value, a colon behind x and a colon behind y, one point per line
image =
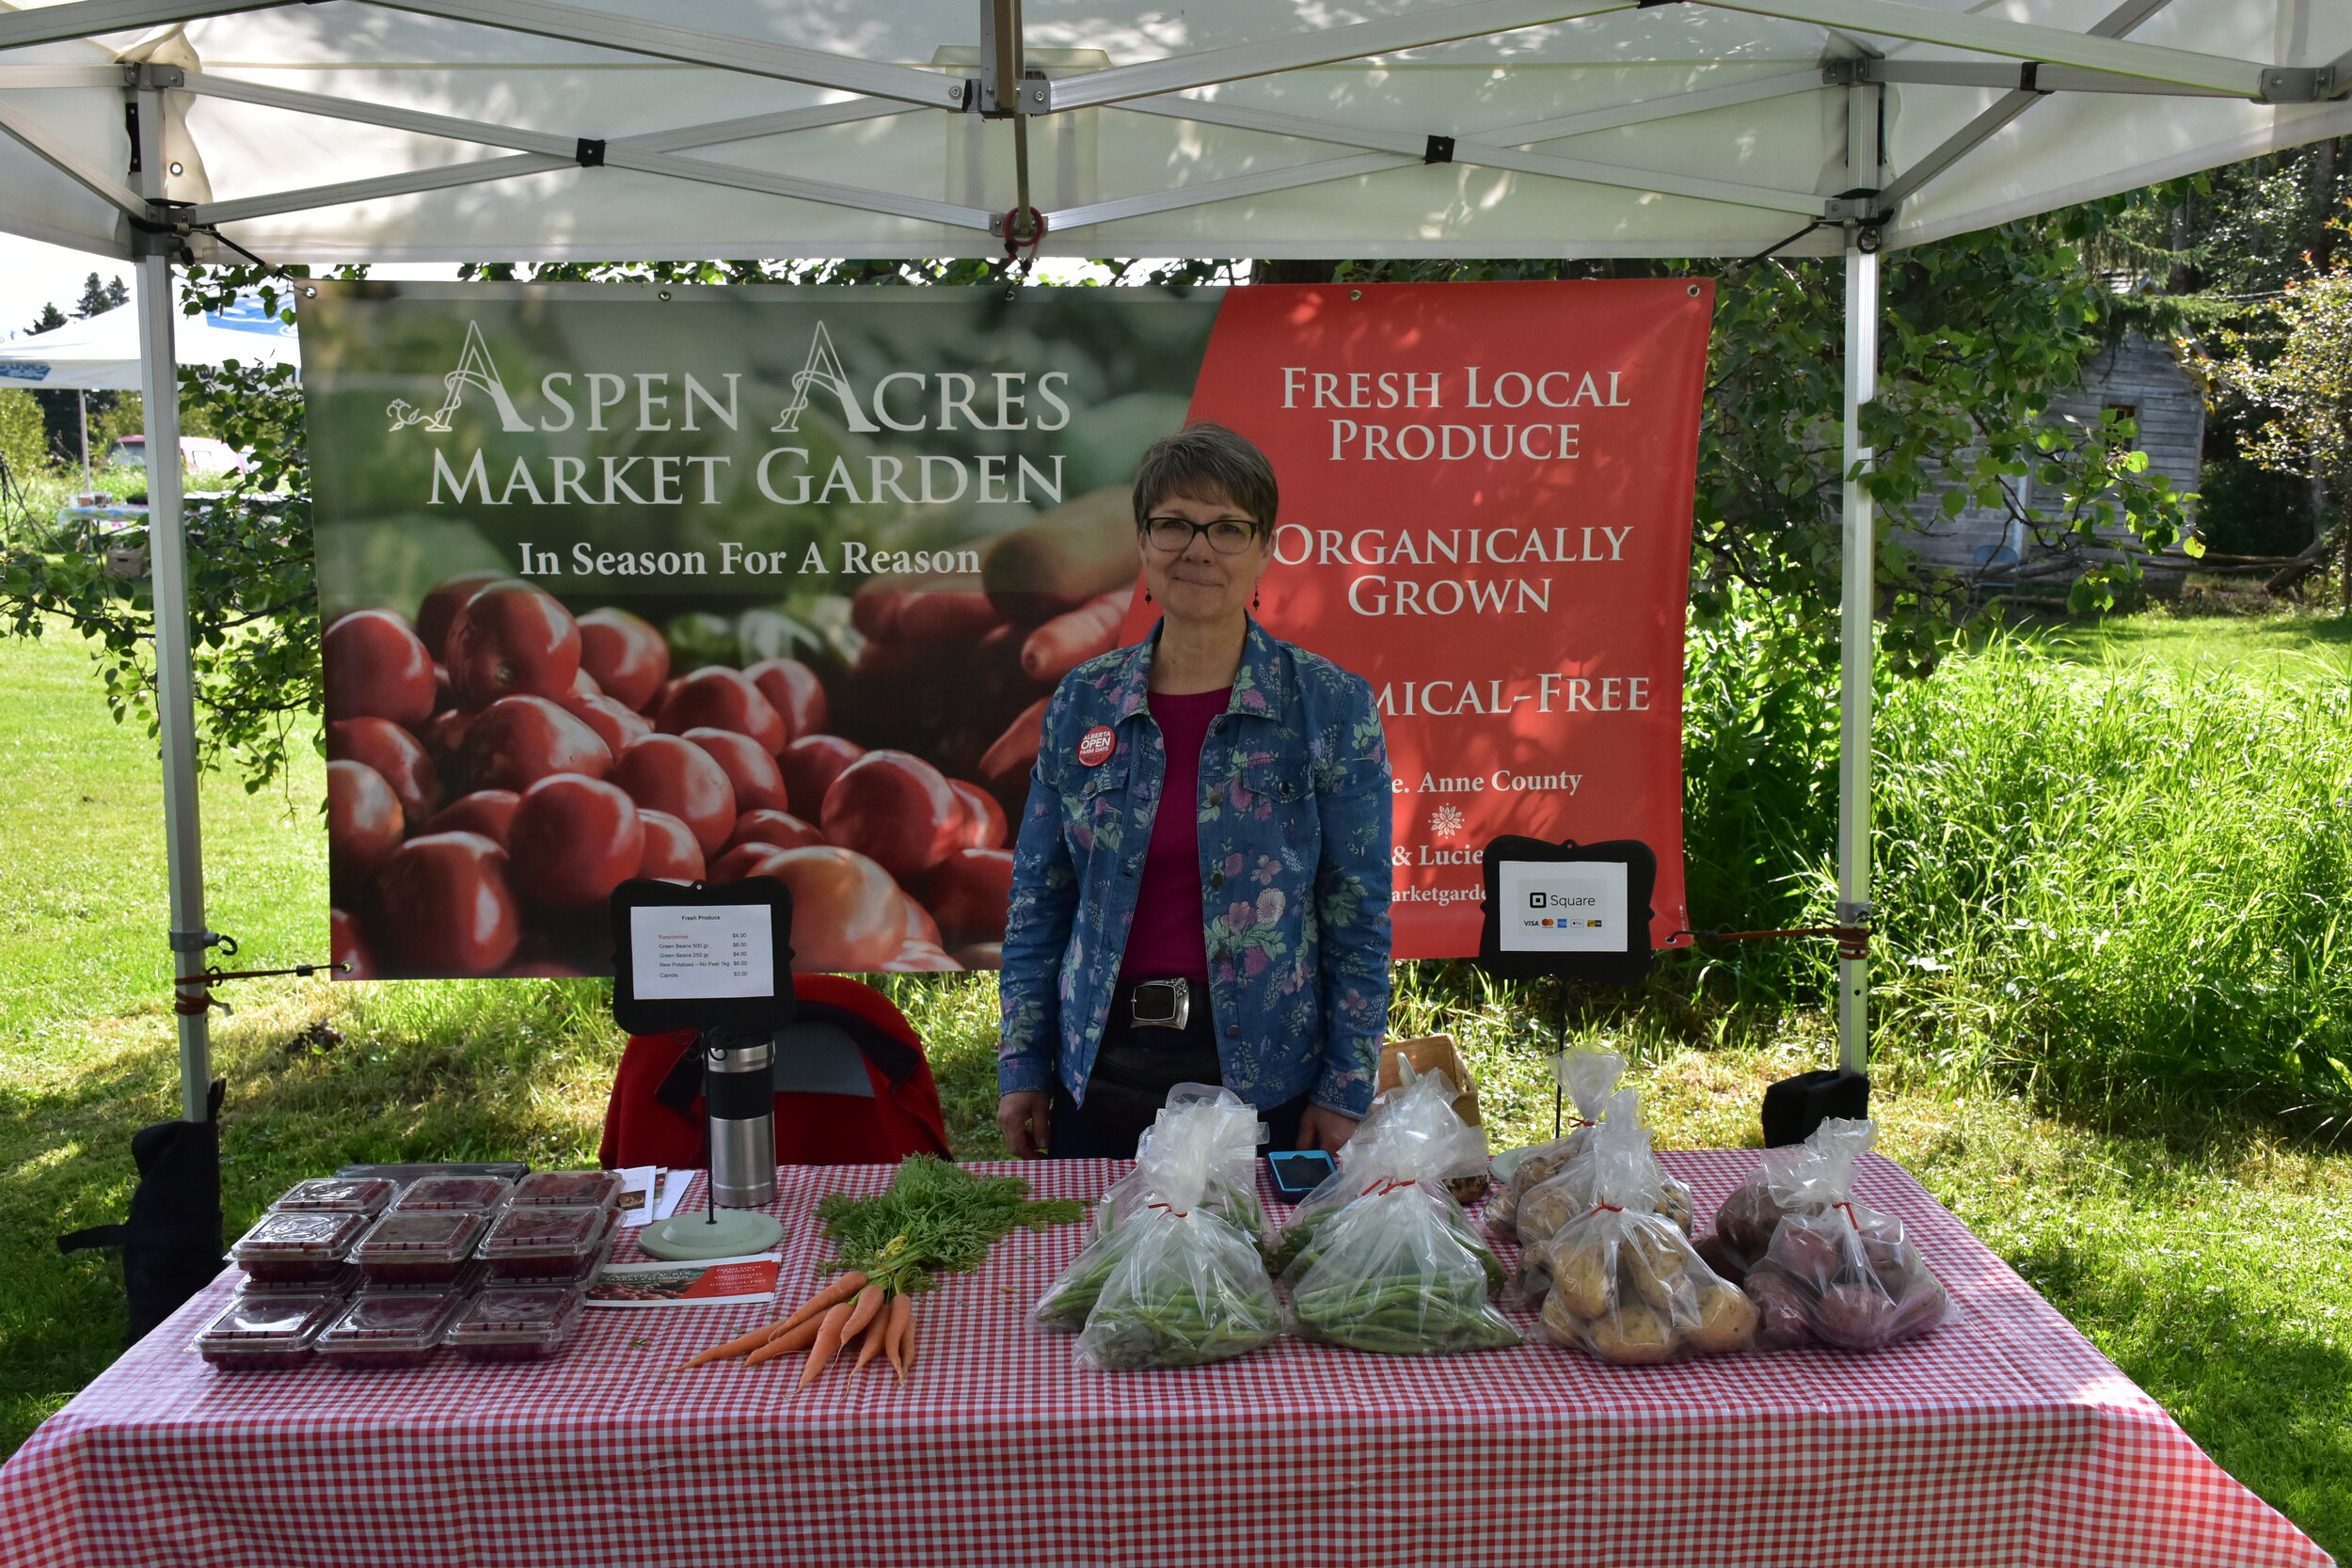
x: 1167, y: 938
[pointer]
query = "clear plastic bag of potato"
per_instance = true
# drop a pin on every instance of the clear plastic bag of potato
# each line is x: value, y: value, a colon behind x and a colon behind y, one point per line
x: 1548, y: 1204
x: 1787, y: 1181
x: 1850, y: 1273
x: 1230, y: 1126
x: 1397, y: 1271
x: 1587, y: 1078
x: 1625, y: 1283
x: 1412, y: 1130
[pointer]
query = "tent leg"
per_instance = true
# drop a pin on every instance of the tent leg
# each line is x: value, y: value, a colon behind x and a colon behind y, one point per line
x: 1857, y: 659
x: 82, y: 403
x: 175, y: 679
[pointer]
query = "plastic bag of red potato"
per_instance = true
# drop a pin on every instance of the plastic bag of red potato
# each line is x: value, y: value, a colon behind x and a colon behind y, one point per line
x: 1836, y: 1269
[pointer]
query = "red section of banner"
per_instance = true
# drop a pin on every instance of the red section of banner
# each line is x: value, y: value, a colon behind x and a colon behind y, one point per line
x: 1486, y: 493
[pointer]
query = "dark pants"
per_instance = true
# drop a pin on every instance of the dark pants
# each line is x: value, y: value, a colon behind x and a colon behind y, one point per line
x: 1134, y: 1071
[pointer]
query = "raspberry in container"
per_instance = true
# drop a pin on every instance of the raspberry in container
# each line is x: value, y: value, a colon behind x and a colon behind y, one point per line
x: 268, y: 1333
x: 292, y: 1249
x: 359, y: 1194
x: 346, y: 1282
x: 383, y: 1329
x: 570, y: 1189
x: 420, y: 1247
x: 516, y: 1324
x: 529, y: 1242
x: 467, y: 1193
x: 469, y: 1277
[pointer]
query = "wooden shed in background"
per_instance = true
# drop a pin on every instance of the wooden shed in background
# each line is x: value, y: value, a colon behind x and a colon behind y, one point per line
x: 2140, y: 376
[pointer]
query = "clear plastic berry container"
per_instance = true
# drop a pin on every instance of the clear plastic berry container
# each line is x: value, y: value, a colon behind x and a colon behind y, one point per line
x: 570, y: 1189
x: 389, y: 1329
x: 265, y: 1333
x: 516, y: 1324
x: 355, y: 1194
x: 470, y: 1193
x: 344, y: 1283
x: 470, y: 1276
x: 419, y: 1248
x: 531, y: 1242
x: 290, y: 1249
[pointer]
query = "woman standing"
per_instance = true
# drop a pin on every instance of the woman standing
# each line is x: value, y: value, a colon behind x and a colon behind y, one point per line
x: 1241, y: 935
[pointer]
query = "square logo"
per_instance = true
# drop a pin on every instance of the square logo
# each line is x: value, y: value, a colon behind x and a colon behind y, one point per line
x: 1535, y: 899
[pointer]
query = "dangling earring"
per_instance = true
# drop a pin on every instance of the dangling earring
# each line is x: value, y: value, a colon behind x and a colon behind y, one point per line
x: 1255, y: 599
x: 1147, y: 595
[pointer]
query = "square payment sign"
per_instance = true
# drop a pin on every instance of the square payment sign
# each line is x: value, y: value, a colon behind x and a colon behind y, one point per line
x: 1562, y: 907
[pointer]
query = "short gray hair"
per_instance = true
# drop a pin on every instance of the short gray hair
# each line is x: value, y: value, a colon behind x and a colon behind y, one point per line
x: 1207, y: 462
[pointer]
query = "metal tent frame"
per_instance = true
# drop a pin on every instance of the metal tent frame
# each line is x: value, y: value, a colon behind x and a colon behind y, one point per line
x: 1861, y: 55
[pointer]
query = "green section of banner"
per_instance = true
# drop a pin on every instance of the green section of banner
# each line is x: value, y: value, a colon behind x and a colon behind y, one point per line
x: 452, y: 426
x: 832, y: 520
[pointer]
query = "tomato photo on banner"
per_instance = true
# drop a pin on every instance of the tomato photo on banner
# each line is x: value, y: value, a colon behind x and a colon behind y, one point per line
x: 1485, y: 513
x: 775, y: 582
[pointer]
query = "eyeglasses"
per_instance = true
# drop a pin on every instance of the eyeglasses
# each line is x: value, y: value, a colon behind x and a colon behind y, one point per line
x: 1227, y: 535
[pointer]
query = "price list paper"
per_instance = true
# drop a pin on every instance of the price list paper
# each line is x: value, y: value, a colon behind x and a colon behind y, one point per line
x: 681, y: 952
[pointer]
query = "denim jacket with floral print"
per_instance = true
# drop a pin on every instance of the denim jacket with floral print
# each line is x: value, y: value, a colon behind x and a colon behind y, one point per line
x: 1295, y: 825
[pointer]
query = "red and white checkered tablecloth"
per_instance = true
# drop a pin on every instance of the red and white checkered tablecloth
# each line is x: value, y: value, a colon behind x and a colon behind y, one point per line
x: 2004, y: 1438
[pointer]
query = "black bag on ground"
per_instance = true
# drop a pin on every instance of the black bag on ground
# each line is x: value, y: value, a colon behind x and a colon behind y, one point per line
x: 171, y: 1243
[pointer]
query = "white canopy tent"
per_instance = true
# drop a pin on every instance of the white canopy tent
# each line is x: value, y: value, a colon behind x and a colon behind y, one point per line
x: 446, y: 130
x: 103, y: 353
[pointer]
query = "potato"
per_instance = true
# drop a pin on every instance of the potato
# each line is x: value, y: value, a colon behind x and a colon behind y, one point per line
x: 1502, y: 1215
x: 1545, y: 1210
x: 1633, y: 1336
x: 1781, y: 1303
x: 1854, y: 1317
x: 1748, y: 1216
x: 1728, y: 1321
x: 1562, y: 1325
x: 1585, y: 1278
x: 1923, y: 1308
x: 1809, y: 1252
x: 1674, y: 1201
x: 1717, y: 1253
x: 1653, y: 1266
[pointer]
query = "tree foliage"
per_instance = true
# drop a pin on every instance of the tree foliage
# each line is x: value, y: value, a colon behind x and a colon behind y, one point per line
x: 252, y: 598
x: 1977, y: 333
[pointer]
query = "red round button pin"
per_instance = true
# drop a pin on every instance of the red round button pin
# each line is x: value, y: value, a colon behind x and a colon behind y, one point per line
x: 1096, y: 745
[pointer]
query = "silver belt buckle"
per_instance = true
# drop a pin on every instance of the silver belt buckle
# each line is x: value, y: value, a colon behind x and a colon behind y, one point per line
x: 1160, y: 1003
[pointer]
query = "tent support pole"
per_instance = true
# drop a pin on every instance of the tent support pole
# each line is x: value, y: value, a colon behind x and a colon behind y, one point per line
x: 175, y: 679
x: 1857, y: 660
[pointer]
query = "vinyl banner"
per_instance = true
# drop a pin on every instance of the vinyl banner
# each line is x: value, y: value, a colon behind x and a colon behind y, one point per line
x: 721, y: 583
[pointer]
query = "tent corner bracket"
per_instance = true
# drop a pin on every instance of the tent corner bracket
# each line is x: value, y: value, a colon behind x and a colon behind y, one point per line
x: 1439, y: 150
x: 2291, y: 83
x: 153, y: 78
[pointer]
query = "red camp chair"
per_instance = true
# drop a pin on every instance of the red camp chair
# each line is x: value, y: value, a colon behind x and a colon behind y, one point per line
x: 852, y: 1087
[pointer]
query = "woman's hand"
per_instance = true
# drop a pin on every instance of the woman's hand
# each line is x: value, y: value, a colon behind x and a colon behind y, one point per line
x: 1023, y: 1118
x: 1320, y: 1128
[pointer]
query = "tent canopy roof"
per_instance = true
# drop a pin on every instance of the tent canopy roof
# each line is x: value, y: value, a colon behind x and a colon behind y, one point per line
x: 102, y: 352
x: 442, y: 129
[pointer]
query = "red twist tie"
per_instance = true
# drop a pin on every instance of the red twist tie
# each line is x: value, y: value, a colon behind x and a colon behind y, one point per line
x: 1180, y: 1214
x: 1605, y: 1208
x: 1849, y: 1219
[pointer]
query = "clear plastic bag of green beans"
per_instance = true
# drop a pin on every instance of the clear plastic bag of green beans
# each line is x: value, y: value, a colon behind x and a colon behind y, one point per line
x: 1381, y: 1257
x: 1173, y: 1277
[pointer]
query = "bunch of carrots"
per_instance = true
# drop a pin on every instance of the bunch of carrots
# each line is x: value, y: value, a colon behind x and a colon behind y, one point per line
x: 935, y: 1218
x: 851, y: 1309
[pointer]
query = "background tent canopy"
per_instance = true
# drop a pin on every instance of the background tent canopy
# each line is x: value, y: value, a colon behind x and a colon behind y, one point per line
x: 455, y: 129
x: 103, y: 352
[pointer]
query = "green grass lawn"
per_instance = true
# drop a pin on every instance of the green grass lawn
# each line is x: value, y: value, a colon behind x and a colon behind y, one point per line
x: 2211, y: 1257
